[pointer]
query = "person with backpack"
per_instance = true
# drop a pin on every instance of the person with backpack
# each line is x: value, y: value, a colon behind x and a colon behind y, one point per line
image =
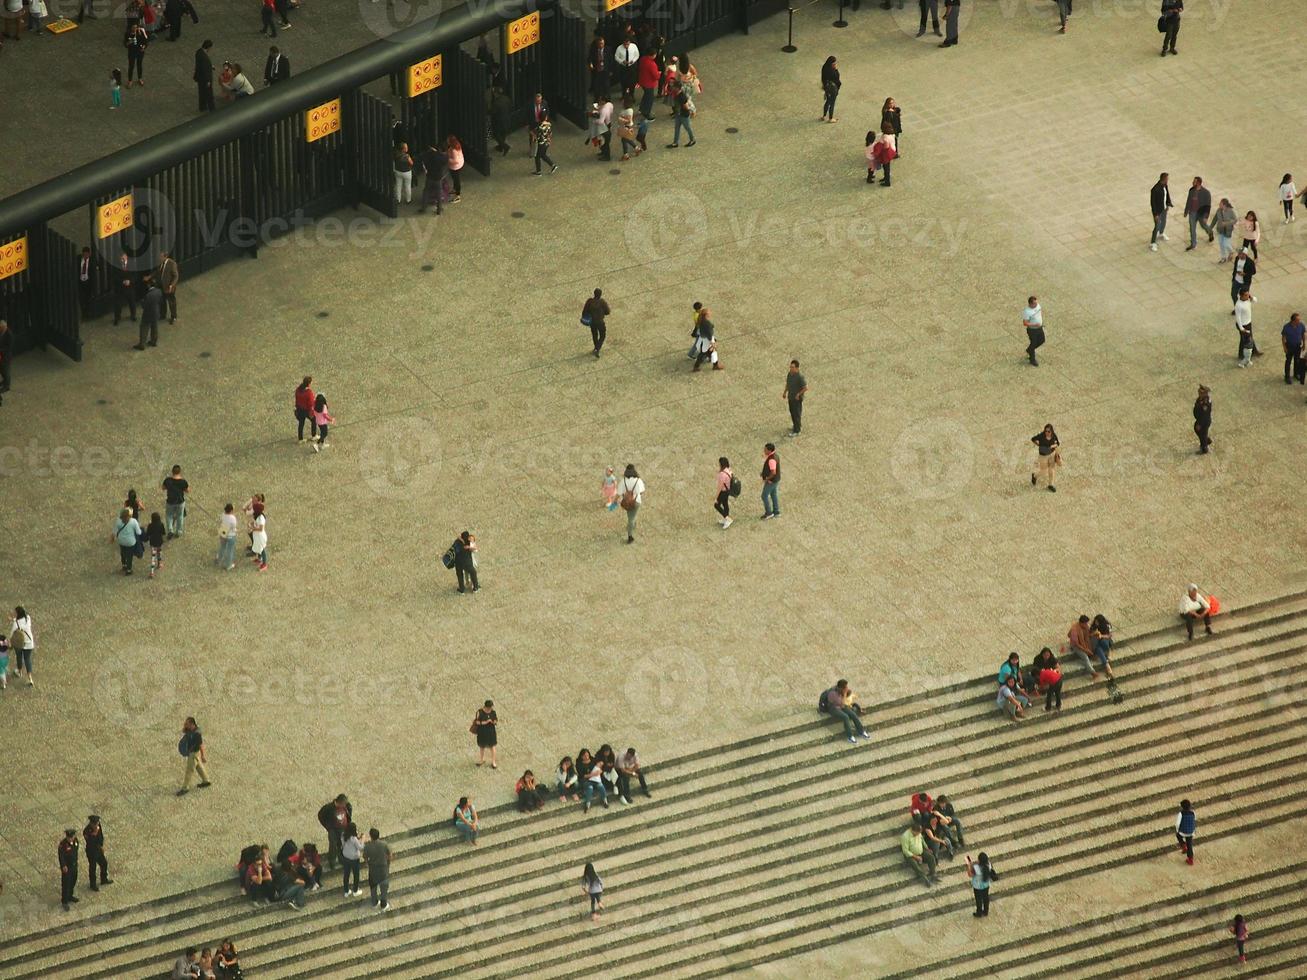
x: 592, y: 315
x: 191, y: 747
x: 631, y: 490
x: 462, y: 558
x: 1186, y: 821
x: 771, y: 478
x: 728, y: 486
x: 981, y: 873
x: 839, y: 704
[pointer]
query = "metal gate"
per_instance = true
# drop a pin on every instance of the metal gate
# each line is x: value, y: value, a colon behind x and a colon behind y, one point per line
x: 522, y: 75
x: 42, y: 309
x: 566, y: 80
x: 464, y: 106
x: 369, y: 125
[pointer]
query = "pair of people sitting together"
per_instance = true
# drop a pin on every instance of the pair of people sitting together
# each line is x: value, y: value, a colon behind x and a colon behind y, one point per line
x: 841, y: 704
x: 934, y: 830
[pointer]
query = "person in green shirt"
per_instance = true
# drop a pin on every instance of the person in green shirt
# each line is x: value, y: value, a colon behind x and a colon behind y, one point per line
x: 917, y: 855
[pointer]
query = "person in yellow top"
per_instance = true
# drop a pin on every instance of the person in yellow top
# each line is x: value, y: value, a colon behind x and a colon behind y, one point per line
x: 916, y: 854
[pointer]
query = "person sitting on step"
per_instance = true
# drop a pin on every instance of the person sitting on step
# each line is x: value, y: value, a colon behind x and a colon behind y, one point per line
x: 915, y: 852
x: 936, y: 838
x: 1079, y: 644
x: 565, y: 781
x: 948, y: 818
x: 530, y: 797
x: 920, y: 806
x: 1193, y: 607
x: 839, y: 705
x: 1100, y: 632
x: 1011, y: 699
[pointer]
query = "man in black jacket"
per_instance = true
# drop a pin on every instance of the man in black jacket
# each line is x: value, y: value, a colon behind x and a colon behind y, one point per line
x: 1197, y: 206
x: 1171, y: 10
x: 204, y: 76
x: 335, y: 817
x: 1160, y: 199
x: 1203, y: 418
x: 1241, y: 276
x: 276, y: 68
x: 93, y: 834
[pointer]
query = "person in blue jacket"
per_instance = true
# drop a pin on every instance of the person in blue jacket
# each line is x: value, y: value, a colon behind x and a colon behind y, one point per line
x: 1185, y: 822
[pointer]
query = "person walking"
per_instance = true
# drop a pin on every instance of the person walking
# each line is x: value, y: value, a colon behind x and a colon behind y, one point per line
x: 276, y: 68
x: 593, y: 315
x: 981, y: 873
x: 403, y: 170
x: 726, y: 483
x: 22, y: 640
x: 683, y: 111
x: 1223, y: 223
x: 1170, y: 24
x: 630, y: 498
x: 1063, y: 14
x: 1159, y: 199
x: 593, y: 886
x: 485, y: 726
x: 929, y: 7
x: 1197, y: 206
x: 454, y: 154
x: 1186, y: 822
x: 1288, y: 191
x: 952, y: 8
x: 1291, y: 337
x: 151, y: 310
x: 227, y: 524
x: 500, y: 112
x: 1241, y: 276
x: 191, y: 746
x: 376, y: 852
x: 268, y: 12
x: 830, y: 89
x: 705, y: 342
x: 175, y: 487
x: 93, y: 834
x: 1032, y: 318
x: 544, y: 134
x: 68, y: 848
x: 259, y: 536
x: 127, y: 535
x: 771, y: 478
x: 304, y: 398
x: 203, y: 76
x: 465, y: 560
x: 796, y: 386
x: 351, y: 854
x: 154, y: 536
x: 1049, y: 459
x: 1240, y: 932
x: 169, y: 276
x: 1250, y: 230
x: 891, y: 121
x: 323, y: 419
x: 1243, y: 322
x: 1203, y: 418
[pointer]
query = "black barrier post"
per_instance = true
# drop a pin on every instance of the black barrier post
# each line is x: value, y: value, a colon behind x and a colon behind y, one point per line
x: 841, y: 22
x: 790, y: 48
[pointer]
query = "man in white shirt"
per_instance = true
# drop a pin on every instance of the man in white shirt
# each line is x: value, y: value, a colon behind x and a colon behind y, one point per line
x: 1193, y: 606
x: 627, y: 57
x: 1243, y: 321
x: 605, y: 120
x: 1033, y: 320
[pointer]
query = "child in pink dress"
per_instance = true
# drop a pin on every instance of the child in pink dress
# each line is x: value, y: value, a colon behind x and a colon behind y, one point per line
x: 610, y: 489
x: 323, y: 418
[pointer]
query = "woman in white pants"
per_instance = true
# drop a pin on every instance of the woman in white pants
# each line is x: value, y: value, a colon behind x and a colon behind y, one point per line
x: 403, y: 175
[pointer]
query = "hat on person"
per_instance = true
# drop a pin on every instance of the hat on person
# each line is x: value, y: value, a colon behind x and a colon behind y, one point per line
x: 94, y: 818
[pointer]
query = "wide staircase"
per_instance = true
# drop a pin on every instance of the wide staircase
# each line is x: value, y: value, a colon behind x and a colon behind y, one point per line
x: 784, y: 843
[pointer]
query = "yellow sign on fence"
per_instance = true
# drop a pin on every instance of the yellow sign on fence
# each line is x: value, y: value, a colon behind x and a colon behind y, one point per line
x: 424, y: 77
x: 611, y: 5
x: 60, y: 26
x: 114, y: 217
x: 522, y: 33
x: 13, y: 257
x: 322, y: 120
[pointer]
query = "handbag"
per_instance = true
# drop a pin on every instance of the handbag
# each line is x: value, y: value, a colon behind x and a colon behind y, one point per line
x: 1161, y: 25
x: 447, y: 559
x: 475, y: 725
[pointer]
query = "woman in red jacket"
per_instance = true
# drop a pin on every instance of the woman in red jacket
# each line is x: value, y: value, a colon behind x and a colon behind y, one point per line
x: 304, y: 408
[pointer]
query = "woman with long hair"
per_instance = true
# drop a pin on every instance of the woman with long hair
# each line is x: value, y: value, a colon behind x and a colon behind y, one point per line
x: 454, y: 151
x: 1251, y: 232
x: 981, y: 873
x: 593, y: 886
x: 722, y: 501
x: 1049, y: 458
x: 830, y: 88
x: 22, y: 641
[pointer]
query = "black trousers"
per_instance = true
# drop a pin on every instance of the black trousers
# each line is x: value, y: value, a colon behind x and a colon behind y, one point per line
x: 123, y: 295
x: 982, y: 900
x: 1187, y: 842
x: 604, y: 152
x: 1053, y: 699
x: 796, y: 414
x: 1172, y: 31
x: 4, y: 372
x: 95, y: 859
x: 1293, y: 365
x: 598, y: 332
x: 624, y: 783
x: 723, y: 507
x: 67, y: 883
x: 1189, y: 626
x: 135, y: 63
x: 1201, y: 432
x: 951, y: 24
x: 1036, y: 335
x: 470, y: 572
x: 303, y: 415
x: 929, y: 7
x: 206, y: 96
x: 85, y: 292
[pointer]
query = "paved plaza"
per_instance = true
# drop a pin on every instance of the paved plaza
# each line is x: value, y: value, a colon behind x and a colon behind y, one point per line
x: 912, y: 551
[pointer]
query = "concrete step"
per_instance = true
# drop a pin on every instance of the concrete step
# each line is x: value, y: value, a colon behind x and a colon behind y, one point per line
x: 277, y: 920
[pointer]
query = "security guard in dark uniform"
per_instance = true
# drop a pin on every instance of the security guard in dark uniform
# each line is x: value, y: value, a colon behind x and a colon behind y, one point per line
x: 93, y: 834
x: 68, y: 848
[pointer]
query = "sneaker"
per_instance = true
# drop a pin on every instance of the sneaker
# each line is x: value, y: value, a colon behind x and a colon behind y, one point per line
x: 1153, y: 247
x: 297, y: 908
x: 376, y: 904
x: 554, y: 169
x: 316, y: 887
x: 852, y: 740
x: 317, y: 448
x: 585, y: 807
x: 727, y: 523
x: 205, y: 785
x: 385, y: 907
x: 692, y: 142
x: 765, y: 517
x: 1163, y: 237
x: 182, y: 792
x: 625, y: 801
x: 866, y: 735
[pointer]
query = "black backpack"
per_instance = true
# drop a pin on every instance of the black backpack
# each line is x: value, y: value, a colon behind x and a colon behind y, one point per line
x: 447, y: 559
x: 735, y: 488
x: 823, y: 702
